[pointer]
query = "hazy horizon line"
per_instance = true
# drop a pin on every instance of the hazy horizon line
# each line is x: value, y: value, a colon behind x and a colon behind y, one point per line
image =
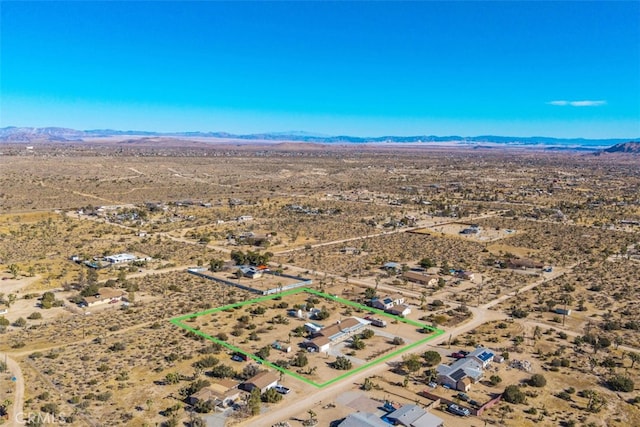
x: 311, y: 134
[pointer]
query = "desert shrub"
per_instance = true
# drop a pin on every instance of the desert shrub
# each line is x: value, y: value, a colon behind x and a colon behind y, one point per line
x: 300, y: 360
x: 213, y: 348
x: 513, y: 394
x: 103, y: 397
x: 204, y: 407
x: 519, y: 313
x: 341, y: 363
x: 222, y: 371
x: 20, y: 322
x: 537, y: 380
x: 283, y: 363
x: 431, y: 358
x: 171, y: 357
x: 324, y: 313
x: 495, y: 380
x: 397, y: 341
x: 271, y: 396
x: 366, y: 334
x: 249, y: 371
x: 264, y: 352
x: 50, y: 408
x: 620, y: 383
x: 357, y: 343
x: 119, y: 346
x: 194, y: 387
x: 205, y: 362
x: 564, y: 395
x: 172, y: 378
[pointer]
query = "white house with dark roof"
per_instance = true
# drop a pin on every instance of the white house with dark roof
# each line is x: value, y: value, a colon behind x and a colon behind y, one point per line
x: 483, y: 355
x: 460, y: 374
x: 387, y: 302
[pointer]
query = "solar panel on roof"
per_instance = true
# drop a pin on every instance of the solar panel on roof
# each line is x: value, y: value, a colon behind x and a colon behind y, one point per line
x: 458, y: 375
x: 485, y: 355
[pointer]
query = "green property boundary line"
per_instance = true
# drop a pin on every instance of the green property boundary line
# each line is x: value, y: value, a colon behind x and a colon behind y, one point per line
x: 435, y: 332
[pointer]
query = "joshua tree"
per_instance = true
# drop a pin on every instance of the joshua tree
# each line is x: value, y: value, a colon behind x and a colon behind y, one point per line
x: 11, y: 298
x: 14, y: 270
x: 312, y: 415
x: 634, y: 357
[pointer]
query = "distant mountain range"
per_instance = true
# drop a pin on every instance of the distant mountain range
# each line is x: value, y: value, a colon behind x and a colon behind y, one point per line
x: 56, y: 134
x: 625, y: 147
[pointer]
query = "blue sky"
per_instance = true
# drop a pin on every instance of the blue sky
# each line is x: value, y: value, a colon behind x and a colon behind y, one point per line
x: 564, y: 69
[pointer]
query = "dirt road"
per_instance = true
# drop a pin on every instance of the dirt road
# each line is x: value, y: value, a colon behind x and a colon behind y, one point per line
x: 18, y: 395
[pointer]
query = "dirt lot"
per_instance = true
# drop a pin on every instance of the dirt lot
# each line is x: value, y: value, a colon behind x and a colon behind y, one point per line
x: 476, y: 234
x: 241, y: 328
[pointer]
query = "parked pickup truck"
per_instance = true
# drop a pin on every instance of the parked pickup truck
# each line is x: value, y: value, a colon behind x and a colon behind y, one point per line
x: 463, y: 397
x: 282, y: 389
x: 377, y: 322
x: 239, y: 357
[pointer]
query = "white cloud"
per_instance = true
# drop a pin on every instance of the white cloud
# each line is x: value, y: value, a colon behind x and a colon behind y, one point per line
x: 585, y: 103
